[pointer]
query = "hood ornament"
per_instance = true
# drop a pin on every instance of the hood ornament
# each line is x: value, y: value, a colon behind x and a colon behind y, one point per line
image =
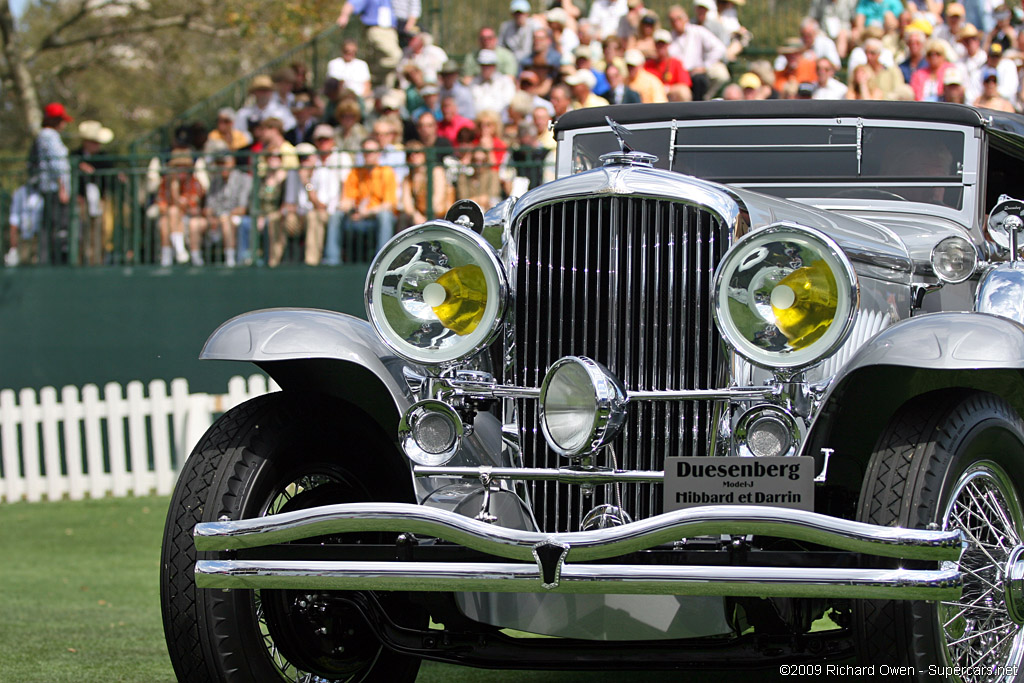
x: 627, y: 154
x: 621, y: 132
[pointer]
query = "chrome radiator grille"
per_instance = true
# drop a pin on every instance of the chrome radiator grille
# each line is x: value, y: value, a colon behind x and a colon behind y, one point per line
x: 625, y: 281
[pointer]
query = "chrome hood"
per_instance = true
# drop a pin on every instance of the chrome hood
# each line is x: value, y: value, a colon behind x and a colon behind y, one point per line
x: 876, y: 250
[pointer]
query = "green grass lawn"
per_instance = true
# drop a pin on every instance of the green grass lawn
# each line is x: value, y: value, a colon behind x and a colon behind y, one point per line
x: 79, y: 600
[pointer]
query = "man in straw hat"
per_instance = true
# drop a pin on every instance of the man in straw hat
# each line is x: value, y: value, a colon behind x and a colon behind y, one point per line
x: 263, y: 106
x: 94, y: 181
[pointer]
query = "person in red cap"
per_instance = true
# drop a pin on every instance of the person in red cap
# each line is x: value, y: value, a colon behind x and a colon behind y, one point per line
x: 49, y: 174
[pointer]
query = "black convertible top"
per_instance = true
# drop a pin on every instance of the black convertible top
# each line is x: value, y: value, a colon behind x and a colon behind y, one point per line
x: 939, y: 112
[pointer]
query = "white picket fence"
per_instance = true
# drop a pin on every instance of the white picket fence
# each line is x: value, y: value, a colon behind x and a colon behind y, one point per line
x: 129, y: 441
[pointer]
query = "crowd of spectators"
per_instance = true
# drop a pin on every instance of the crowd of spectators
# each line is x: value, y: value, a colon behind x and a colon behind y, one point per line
x: 400, y: 129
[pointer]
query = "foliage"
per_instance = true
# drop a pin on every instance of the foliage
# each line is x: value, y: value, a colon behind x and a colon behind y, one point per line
x: 133, y: 63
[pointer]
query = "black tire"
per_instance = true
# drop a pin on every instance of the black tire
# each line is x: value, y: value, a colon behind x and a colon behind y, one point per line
x: 929, y: 466
x: 274, y: 453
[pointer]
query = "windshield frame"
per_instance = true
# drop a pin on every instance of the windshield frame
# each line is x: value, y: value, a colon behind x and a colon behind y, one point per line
x: 969, y: 180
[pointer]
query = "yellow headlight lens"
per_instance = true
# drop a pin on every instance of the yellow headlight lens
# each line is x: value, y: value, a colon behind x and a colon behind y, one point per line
x: 786, y: 296
x: 436, y: 293
x: 804, y: 304
x: 465, y: 299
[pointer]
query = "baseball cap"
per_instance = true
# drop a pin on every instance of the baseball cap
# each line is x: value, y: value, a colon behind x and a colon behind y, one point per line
x: 429, y: 90
x: 922, y: 25
x: 706, y: 4
x: 954, y: 9
x: 323, y: 130
x: 557, y: 16
x: 662, y: 36
x: 749, y: 80
x: 55, y: 110
x: 995, y: 49
x: 450, y: 67
x: 953, y: 77
x: 987, y: 73
x: 519, y: 6
x: 486, y: 57
x: 806, y: 89
x: 634, y: 57
x: 582, y: 76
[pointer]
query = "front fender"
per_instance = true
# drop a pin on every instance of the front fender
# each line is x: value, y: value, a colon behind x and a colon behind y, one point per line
x: 944, y: 341
x: 316, y: 350
x: 966, y: 351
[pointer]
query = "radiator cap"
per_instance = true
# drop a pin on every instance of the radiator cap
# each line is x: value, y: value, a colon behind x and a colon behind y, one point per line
x: 631, y: 158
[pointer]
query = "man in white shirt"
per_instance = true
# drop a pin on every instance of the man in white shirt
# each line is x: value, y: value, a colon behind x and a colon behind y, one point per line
x: 422, y: 52
x: 491, y: 90
x: 350, y: 70
x: 972, y: 61
x: 264, y: 106
x: 605, y: 15
x: 828, y: 87
x: 700, y: 51
x: 816, y: 43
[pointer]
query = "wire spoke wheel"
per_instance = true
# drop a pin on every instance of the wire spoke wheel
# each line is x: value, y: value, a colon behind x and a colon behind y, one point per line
x: 275, y: 454
x: 982, y: 630
x: 304, y: 630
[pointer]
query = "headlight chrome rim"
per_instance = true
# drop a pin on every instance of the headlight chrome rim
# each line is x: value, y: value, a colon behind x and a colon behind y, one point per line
x: 848, y: 302
x: 495, y: 308
x: 967, y: 246
x: 609, y: 407
x: 766, y: 412
x: 407, y: 432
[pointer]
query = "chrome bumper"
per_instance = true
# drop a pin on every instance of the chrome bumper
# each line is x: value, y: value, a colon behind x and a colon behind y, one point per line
x: 550, y: 556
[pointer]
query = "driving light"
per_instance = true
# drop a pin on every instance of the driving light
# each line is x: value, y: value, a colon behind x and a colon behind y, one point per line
x: 430, y: 433
x: 436, y: 293
x: 582, y: 406
x: 786, y: 296
x: 954, y: 259
x: 767, y: 431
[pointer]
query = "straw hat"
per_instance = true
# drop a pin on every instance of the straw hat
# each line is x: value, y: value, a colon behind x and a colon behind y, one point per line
x: 95, y: 131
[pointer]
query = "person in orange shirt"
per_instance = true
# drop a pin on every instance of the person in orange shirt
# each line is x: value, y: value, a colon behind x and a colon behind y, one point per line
x: 370, y: 197
x: 792, y: 68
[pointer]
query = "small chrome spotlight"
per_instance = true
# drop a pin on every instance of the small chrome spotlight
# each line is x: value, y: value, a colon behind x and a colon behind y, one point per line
x: 767, y: 431
x: 430, y: 433
x: 582, y: 406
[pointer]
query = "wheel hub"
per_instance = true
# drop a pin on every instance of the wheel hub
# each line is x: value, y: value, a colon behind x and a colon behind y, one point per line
x: 1013, y: 585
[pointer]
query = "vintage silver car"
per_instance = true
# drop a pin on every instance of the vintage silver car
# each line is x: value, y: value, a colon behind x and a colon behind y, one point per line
x: 741, y: 387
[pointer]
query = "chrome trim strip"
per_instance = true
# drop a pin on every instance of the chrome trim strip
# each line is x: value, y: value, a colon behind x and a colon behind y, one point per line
x: 565, y: 475
x: 485, y: 391
x: 584, y: 545
x: 889, y: 584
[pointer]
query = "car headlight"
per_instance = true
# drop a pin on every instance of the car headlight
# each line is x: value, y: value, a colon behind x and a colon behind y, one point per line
x: 954, y: 259
x: 582, y: 406
x: 786, y: 296
x: 436, y: 293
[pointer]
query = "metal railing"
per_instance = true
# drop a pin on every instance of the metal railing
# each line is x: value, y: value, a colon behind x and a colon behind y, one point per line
x: 117, y: 213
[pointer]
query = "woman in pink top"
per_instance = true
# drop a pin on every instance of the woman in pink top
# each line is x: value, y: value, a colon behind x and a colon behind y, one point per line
x: 927, y: 82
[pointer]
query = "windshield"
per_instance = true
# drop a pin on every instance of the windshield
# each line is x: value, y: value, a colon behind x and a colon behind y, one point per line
x: 806, y: 160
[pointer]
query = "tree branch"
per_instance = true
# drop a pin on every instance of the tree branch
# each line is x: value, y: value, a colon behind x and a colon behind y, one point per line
x: 55, y: 42
x: 24, y: 88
